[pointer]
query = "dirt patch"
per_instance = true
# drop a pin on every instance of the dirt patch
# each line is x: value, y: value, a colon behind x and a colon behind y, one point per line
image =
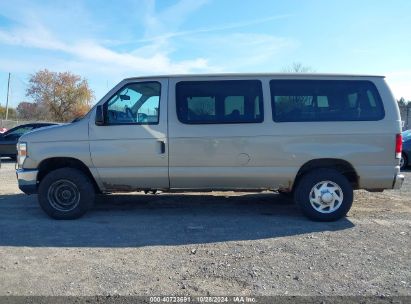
x: 204, y: 243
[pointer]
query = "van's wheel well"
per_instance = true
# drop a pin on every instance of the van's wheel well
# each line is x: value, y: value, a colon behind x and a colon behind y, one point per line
x: 51, y: 164
x: 342, y: 166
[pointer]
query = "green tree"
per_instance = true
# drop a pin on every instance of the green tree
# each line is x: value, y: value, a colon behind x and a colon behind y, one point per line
x: 12, y: 113
x: 64, y: 96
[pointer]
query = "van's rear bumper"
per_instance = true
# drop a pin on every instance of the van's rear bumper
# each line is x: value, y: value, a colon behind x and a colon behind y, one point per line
x: 398, y: 180
x: 27, y: 180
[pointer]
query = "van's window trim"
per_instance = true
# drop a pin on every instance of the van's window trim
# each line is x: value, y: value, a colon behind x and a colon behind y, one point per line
x: 199, y: 122
x: 377, y: 95
x: 105, y: 106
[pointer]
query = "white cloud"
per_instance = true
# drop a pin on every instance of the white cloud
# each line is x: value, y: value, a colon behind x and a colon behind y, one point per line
x: 70, y: 37
x: 154, y: 56
x: 231, y: 26
x: 35, y: 36
x: 243, y: 51
x: 150, y: 58
x: 39, y: 37
x: 399, y: 82
x: 171, y: 18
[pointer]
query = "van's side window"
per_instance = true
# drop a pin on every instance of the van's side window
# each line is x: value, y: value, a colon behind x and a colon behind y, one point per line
x: 135, y: 103
x: 325, y: 100
x: 225, y: 101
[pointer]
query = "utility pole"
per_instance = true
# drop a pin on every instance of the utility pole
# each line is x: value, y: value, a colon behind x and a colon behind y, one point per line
x: 7, y: 99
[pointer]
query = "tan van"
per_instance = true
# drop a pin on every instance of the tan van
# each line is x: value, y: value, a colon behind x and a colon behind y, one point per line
x: 317, y: 137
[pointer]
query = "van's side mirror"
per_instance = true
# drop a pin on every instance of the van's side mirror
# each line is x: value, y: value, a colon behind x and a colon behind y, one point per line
x: 99, y: 116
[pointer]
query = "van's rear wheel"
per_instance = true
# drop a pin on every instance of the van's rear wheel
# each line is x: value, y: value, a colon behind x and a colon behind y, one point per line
x: 324, y: 195
x: 66, y: 194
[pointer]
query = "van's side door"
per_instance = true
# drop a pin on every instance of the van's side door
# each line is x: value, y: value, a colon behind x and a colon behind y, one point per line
x: 130, y: 150
x: 217, y: 134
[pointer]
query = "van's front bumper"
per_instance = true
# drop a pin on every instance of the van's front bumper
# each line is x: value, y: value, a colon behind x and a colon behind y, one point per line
x: 398, y: 180
x: 27, y: 179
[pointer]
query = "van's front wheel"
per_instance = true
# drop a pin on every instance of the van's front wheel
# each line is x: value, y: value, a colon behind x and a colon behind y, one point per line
x: 66, y: 194
x: 324, y: 195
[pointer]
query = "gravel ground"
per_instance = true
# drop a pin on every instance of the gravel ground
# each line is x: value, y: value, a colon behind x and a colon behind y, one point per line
x: 204, y: 244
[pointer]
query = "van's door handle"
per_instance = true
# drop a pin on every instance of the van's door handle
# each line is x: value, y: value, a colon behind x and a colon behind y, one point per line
x: 162, y: 147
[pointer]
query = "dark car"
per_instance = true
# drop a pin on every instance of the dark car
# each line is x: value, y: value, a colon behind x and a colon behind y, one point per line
x: 8, y: 140
x: 406, y: 149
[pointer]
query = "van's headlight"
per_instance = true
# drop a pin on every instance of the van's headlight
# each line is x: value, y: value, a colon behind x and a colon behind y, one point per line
x: 21, y: 153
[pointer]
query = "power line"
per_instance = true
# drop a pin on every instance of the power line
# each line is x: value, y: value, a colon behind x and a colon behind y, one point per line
x: 23, y: 82
x: 7, y: 98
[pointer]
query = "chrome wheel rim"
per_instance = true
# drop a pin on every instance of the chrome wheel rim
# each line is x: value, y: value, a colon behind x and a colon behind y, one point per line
x: 63, y: 195
x: 402, y: 161
x: 326, y: 197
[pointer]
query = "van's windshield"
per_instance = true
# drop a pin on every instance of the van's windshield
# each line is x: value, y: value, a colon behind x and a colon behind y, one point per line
x: 135, y: 103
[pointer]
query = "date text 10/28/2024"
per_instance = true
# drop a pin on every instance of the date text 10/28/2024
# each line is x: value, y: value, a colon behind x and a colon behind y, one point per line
x: 200, y: 299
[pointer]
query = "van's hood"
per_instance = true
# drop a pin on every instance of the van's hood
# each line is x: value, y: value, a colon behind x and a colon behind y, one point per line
x: 66, y: 132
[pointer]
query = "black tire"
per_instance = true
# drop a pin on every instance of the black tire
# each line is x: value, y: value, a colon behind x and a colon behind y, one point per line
x: 286, y: 194
x: 66, y: 194
x: 305, y: 190
x: 405, y: 163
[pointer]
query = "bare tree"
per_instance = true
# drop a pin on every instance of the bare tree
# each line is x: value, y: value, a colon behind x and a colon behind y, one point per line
x: 297, y: 67
x: 27, y: 110
x: 403, y: 103
x: 32, y: 111
x: 287, y: 103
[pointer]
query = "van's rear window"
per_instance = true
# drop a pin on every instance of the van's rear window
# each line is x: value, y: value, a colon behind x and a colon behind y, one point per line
x: 214, y: 102
x: 325, y: 100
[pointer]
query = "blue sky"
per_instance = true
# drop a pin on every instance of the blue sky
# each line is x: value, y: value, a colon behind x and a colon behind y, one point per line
x: 105, y: 41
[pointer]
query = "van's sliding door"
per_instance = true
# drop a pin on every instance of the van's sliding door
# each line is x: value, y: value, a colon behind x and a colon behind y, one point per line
x: 215, y: 134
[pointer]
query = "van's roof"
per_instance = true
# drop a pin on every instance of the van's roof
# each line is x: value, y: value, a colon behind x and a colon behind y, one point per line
x: 297, y: 75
